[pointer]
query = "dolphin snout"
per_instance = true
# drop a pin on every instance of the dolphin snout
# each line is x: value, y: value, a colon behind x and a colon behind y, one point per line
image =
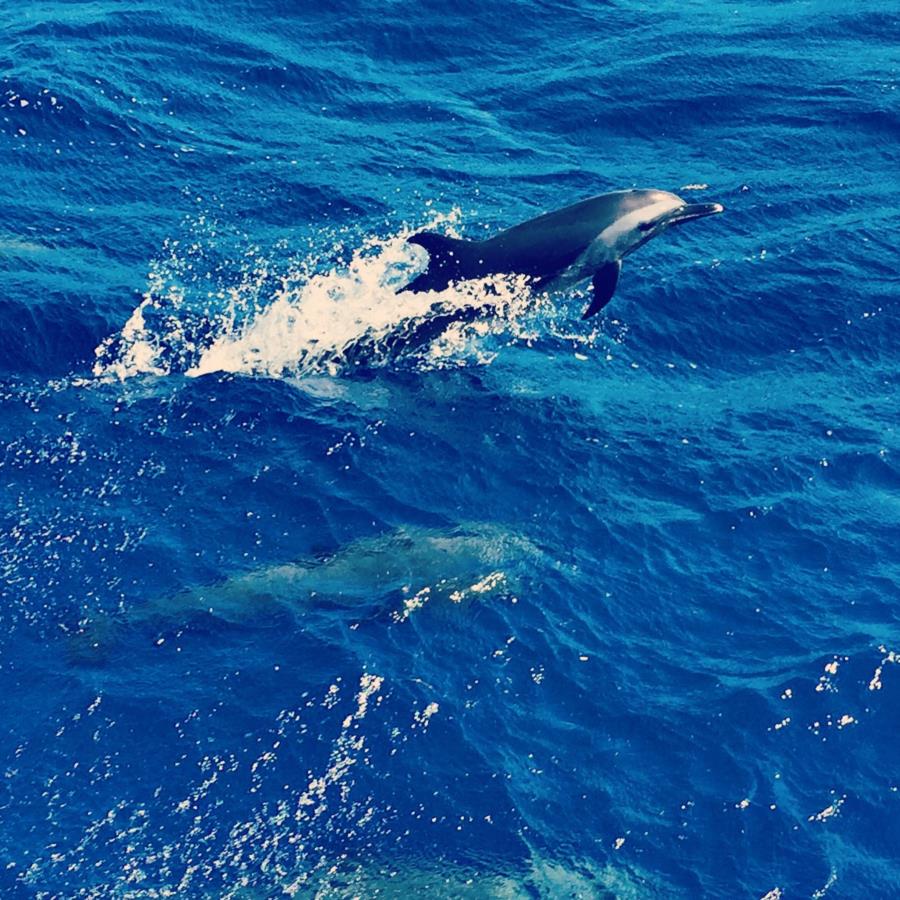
x: 695, y: 211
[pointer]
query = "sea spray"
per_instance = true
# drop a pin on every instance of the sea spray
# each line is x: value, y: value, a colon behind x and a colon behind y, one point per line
x: 304, y: 317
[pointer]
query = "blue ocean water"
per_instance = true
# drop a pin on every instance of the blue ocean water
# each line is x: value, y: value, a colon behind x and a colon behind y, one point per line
x: 309, y: 592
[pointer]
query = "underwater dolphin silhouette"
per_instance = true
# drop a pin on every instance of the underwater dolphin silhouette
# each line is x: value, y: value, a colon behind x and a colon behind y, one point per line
x: 557, y: 250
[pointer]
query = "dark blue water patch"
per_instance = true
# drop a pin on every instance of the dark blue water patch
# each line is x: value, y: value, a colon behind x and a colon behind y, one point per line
x: 51, y: 337
x: 68, y: 121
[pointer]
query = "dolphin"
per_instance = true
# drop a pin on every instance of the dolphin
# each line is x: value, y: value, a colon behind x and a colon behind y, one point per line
x: 404, y: 568
x: 559, y: 249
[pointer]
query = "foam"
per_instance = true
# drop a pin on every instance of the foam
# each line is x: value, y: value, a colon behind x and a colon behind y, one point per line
x: 303, y: 321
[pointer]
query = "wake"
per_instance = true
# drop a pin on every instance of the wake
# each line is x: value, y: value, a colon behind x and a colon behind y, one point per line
x: 301, y: 318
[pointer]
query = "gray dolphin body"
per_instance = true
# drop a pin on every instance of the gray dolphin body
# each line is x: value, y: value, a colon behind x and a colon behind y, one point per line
x: 559, y: 249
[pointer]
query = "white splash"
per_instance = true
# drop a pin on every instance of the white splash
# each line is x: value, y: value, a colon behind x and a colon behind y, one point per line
x: 304, y: 321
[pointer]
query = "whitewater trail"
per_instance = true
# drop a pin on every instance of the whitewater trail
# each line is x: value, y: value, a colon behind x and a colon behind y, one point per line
x: 303, y: 321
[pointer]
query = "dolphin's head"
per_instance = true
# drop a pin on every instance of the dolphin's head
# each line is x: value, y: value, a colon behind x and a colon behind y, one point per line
x: 643, y: 214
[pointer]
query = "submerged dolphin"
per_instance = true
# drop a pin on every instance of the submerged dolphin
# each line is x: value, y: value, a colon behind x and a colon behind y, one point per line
x: 557, y: 250
x: 404, y: 568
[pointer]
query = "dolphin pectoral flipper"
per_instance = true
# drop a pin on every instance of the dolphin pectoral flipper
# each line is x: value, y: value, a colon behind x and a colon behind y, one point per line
x: 605, y: 280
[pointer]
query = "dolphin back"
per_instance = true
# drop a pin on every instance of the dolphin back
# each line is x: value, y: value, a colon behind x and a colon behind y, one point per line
x: 541, y: 247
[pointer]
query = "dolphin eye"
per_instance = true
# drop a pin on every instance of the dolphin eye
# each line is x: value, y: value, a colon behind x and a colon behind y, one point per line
x: 646, y: 226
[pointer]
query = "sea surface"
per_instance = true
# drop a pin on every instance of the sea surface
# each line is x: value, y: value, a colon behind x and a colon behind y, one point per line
x: 312, y: 589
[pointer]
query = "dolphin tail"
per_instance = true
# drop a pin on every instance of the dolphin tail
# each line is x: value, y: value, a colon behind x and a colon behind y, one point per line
x: 446, y: 258
x: 605, y: 280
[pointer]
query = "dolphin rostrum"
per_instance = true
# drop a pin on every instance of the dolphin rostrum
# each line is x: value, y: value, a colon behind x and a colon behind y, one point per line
x: 559, y: 249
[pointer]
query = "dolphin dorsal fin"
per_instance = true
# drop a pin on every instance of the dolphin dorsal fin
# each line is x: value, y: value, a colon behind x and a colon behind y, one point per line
x: 439, y: 246
x: 605, y: 280
x: 447, y: 261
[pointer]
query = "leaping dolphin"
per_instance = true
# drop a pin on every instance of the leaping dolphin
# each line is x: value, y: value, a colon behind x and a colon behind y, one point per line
x: 559, y: 249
